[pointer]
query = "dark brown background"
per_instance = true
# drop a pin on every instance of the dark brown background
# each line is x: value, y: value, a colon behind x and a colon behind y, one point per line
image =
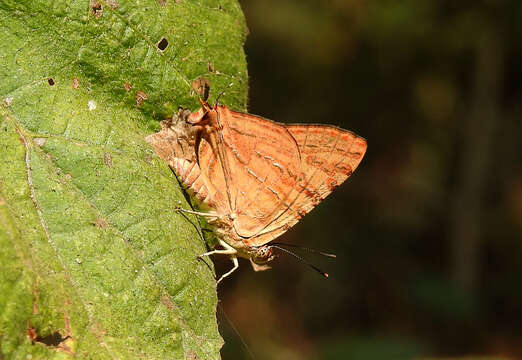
x: 428, y: 229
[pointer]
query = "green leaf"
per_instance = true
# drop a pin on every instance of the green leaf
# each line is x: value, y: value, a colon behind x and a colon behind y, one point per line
x: 94, y: 262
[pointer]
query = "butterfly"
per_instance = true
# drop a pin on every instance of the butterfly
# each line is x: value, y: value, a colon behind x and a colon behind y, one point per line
x: 254, y: 178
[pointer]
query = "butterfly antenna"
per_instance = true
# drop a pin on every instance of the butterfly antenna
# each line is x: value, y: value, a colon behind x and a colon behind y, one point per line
x: 315, y: 251
x: 301, y: 259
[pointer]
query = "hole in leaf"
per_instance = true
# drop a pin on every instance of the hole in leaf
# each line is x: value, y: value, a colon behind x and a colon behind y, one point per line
x: 55, y: 339
x: 100, y: 223
x: 162, y: 44
x: 50, y: 81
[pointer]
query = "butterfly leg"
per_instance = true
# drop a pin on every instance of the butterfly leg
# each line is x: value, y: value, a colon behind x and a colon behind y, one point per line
x: 228, y: 250
x: 204, y: 214
x: 234, y: 268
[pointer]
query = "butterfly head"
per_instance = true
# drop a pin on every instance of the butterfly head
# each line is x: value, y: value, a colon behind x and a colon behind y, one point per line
x: 263, y: 254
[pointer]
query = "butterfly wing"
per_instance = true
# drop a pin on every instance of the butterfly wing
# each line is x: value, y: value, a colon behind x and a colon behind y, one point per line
x: 260, y: 162
x: 329, y: 155
x: 276, y: 173
x: 175, y: 145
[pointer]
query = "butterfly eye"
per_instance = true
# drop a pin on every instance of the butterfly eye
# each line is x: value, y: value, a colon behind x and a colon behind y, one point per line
x: 263, y: 255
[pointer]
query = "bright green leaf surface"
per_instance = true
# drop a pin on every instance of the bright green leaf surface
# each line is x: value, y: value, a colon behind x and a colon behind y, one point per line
x: 91, y: 251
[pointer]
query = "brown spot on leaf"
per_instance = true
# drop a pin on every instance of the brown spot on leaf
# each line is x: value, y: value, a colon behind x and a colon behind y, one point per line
x: 35, y: 299
x: 162, y: 44
x: 107, y: 159
x: 66, y: 319
x: 210, y: 67
x: 201, y: 87
x: 98, y: 330
x: 191, y: 355
x: 68, y: 177
x: 113, y: 4
x: 50, y: 81
x: 31, y: 333
x: 75, y: 83
x: 148, y: 159
x: 40, y: 141
x: 127, y: 86
x: 162, y: 2
x: 101, y: 223
x: 167, y: 302
x: 8, y: 101
x: 96, y: 9
x: 141, y: 96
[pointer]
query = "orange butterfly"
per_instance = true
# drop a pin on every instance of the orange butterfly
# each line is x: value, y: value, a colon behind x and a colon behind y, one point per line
x: 253, y: 177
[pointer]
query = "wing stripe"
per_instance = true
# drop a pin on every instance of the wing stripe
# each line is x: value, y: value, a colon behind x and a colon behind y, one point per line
x: 303, y: 188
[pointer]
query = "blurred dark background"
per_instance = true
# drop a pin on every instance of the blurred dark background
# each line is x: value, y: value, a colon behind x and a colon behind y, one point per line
x: 428, y: 230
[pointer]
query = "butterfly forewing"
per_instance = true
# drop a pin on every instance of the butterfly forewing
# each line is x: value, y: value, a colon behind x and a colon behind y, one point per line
x: 328, y: 157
